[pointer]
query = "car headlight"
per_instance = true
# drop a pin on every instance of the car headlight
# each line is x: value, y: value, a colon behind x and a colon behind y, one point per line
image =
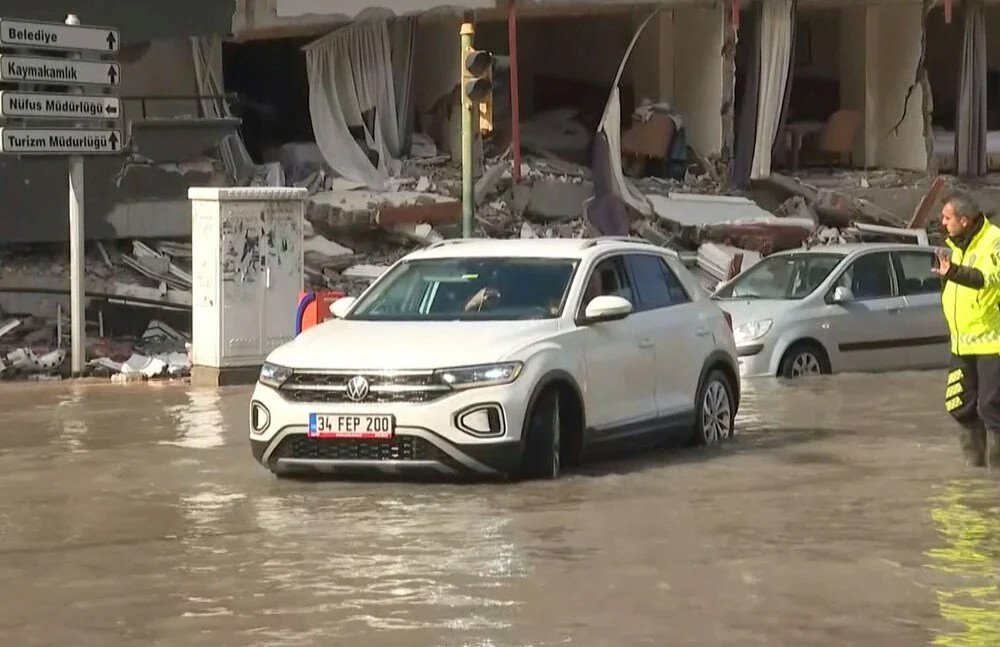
x: 467, y: 377
x: 752, y: 330
x: 273, y: 375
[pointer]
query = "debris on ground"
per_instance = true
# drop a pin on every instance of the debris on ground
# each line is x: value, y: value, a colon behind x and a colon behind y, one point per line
x: 138, y: 322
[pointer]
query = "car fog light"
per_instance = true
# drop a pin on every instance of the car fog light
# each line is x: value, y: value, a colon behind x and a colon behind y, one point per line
x: 483, y: 420
x: 260, y: 417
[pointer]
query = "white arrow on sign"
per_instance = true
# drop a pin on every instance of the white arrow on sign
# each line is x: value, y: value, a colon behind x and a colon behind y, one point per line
x: 54, y: 141
x: 57, y: 35
x: 32, y: 69
x: 59, y: 106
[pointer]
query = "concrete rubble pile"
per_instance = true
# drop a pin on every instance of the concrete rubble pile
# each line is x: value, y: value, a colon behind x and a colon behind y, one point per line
x: 130, y: 291
x: 353, y: 233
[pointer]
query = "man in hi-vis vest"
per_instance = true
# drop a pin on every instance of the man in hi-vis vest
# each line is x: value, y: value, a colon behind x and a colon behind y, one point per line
x: 971, y: 301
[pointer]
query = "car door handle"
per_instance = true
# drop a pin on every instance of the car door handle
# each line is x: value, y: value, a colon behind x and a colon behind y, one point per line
x: 645, y: 343
x: 701, y: 332
x: 895, y: 311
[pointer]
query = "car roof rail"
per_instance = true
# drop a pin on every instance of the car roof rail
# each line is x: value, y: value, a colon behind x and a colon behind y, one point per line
x: 597, y: 240
x: 449, y: 241
x: 593, y: 242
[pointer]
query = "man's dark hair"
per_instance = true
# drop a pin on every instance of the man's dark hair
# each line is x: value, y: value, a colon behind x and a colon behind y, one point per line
x: 964, y: 204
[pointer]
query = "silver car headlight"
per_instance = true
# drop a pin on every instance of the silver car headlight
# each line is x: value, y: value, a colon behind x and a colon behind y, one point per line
x: 467, y: 377
x: 752, y: 330
x: 273, y: 375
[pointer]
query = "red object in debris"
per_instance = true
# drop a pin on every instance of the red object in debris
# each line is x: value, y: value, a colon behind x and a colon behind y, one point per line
x: 947, y: 12
x: 314, y: 308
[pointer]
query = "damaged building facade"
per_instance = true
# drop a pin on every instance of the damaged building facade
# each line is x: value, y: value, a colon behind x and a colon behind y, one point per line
x: 683, y: 122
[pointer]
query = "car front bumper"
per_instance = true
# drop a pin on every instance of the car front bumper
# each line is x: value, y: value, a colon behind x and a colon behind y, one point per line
x: 755, y: 360
x: 427, y: 440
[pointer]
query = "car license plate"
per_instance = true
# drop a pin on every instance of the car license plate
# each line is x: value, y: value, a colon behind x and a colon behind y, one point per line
x: 360, y: 426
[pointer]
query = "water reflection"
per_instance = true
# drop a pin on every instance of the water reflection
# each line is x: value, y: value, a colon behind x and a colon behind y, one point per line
x: 391, y: 563
x: 73, y: 430
x: 965, y: 513
x: 200, y: 423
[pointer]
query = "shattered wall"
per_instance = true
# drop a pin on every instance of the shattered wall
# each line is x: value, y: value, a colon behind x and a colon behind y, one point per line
x: 893, y: 39
x: 161, y: 67
x: 698, y: 38
x: 147, y: 198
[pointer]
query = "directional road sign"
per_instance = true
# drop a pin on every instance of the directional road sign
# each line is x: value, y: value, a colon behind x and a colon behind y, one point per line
x: 42, y: 105
x: 35, y: 69
x: 54, y: 141
x: 56, y: 35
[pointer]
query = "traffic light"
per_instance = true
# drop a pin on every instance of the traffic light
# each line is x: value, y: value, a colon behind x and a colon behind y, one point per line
x: 477, y: 75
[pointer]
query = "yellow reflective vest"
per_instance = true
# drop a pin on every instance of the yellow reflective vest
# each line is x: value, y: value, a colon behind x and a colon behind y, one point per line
x: 974, y: 315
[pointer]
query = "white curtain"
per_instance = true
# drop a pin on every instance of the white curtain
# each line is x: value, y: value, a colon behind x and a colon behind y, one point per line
x: 775, y: 50
x: 611, y: 126
x: 351, y: 73
x: 404, y: 35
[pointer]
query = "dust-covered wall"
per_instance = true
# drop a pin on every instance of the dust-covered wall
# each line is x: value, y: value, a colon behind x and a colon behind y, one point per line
x: 895, y: 125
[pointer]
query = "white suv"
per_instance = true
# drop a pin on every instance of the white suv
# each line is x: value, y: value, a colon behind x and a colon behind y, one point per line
x: 501, y: 357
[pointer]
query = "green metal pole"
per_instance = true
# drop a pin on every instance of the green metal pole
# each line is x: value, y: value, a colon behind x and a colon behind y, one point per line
x: 468, y: 200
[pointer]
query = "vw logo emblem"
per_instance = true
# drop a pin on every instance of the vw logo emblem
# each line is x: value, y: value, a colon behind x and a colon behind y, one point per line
x: 357, y: 388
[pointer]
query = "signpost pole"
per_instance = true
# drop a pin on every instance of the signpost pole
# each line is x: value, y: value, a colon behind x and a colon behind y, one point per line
x: 77, y: 269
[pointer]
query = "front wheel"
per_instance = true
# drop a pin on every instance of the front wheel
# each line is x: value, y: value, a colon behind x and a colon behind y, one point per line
x: 716, y: 410
x: 804, y: 360
x: 544, y: 434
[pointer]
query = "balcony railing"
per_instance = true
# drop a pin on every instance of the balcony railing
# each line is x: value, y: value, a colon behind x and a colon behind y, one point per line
x: 221, y: 103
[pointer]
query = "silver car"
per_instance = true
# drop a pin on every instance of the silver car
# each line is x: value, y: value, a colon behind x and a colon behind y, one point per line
x: 835, y: 308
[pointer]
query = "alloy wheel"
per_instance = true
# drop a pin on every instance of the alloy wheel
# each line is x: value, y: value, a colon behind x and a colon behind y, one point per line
x: 716, y: 414
x: 806, y: 363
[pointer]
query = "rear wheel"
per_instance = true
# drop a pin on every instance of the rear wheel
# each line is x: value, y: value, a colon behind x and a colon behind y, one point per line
x: 804, y: 360
x: 544, y: 435
x: 716, y: 410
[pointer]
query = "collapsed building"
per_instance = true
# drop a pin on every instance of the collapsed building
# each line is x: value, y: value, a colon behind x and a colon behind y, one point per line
x: 726, y: 130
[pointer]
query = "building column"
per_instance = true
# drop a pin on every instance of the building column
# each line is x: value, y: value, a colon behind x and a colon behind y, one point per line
x: 894, y: 121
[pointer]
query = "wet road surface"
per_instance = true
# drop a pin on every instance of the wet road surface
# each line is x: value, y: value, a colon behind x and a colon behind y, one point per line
x: 842, y: 515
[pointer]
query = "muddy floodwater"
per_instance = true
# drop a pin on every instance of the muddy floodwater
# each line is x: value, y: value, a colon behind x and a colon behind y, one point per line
x: 842, y: 515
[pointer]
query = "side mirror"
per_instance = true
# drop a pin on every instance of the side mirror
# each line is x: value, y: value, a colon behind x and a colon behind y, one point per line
x: 606, y: 308
x: 842, y: 295
x: 342, y: 306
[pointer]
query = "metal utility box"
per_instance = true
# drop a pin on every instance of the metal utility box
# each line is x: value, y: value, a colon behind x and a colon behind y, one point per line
x: 247, y: 270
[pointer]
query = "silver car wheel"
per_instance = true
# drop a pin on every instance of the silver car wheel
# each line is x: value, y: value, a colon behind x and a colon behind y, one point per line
x: 716, y: 414
x: 806, y: 363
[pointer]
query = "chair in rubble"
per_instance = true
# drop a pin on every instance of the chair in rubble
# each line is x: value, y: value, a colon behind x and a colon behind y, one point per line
x: 647, y: 143
x: 836, y: 137
x: 839, y: 136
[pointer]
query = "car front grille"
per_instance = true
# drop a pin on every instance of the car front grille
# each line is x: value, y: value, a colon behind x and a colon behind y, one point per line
x: 383, y: 387
x: 401, y: 448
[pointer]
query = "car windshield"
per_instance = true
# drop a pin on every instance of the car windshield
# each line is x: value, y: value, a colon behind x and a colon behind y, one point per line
x: 474, y: 289
x: 786, y: 276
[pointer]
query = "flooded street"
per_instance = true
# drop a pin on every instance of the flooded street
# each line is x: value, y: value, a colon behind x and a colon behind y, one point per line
x: 842, y: 515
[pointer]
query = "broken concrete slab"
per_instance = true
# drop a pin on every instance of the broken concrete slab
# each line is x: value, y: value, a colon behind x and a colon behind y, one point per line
x: 325, y: 248
x: 422, y: 234
x: 364, y: 209
x: 550, y: 200
x: 717, y: 260
x: 367, y: 272
x: 702, y: 210
x: 434, y: 212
